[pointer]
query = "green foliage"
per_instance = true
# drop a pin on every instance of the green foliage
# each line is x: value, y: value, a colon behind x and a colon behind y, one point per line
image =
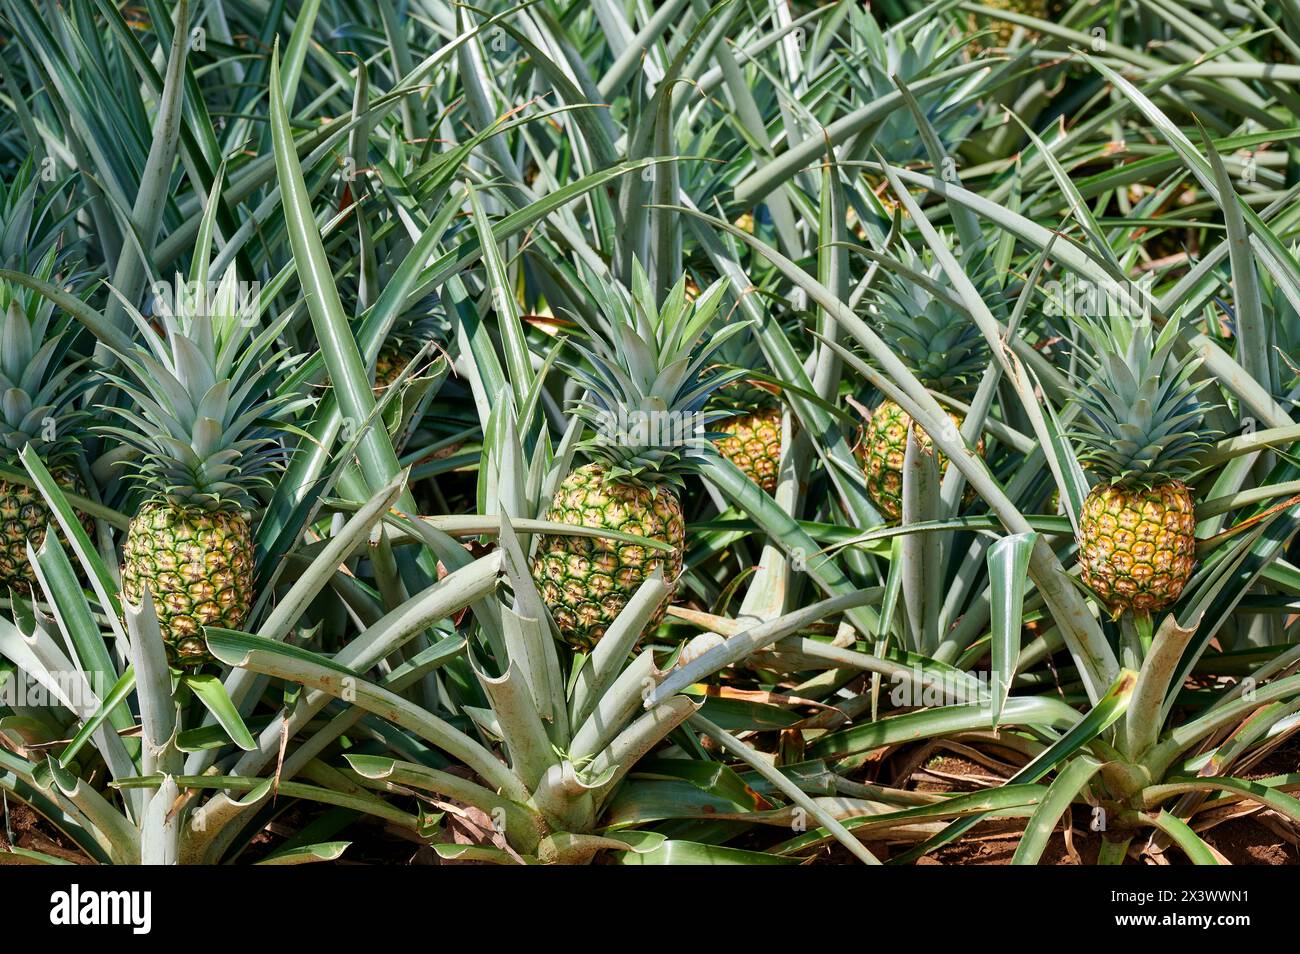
x: 895, y: 202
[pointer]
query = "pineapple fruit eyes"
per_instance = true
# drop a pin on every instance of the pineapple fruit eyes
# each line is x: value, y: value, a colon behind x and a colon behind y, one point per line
x: 586, y: 581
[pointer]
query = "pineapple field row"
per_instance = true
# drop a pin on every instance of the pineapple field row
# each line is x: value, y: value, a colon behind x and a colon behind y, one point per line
x: 627, y: 432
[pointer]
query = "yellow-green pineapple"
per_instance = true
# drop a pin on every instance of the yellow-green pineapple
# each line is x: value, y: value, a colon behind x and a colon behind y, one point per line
x: 645, y: 393
x: 752, y: 441
x: 203, y: 416
x: 1140, y: 432
x: 943, y: 347
x: 749, y: 431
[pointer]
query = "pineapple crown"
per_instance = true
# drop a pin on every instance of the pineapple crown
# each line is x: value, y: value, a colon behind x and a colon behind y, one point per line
x: 417, y: 326
x: 1142, y: 421
x: 645, y: 378
x: 913, y: 55
x: 742, y: 352
x: 207, y: 416
x: 37, y: 378
x: 938, y: 341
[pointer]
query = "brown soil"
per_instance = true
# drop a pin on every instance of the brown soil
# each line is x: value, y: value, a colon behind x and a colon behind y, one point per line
x: 1243, y: 833
x: 32, y: 832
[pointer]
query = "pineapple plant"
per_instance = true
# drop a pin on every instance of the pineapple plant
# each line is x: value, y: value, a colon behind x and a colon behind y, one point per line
x: 37, y: 411
x: 645, y: 399
x: 39, y: 377
x: 204, y: 422
x: 946, y: 352
x: 1141, y: 432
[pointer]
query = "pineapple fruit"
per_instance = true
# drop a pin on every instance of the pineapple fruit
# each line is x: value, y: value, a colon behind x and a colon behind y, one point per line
x: 749, y: 432
x: 753, y: 443
x: 884, y: 445
x: 205, y: 427
x: 1141, y: 431
x: 197, y: 563
x: 644, y: 400
x: 389, y: 365
x: 24, y: 517
x: 587, y: 581
x: 946, y: 352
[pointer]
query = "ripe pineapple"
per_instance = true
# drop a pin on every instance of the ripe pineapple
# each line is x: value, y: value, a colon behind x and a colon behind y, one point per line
x: 946, y: 352
x: 750, y: 410
x: 38, y: 380
x: 645, y: 401
x: 204, y: 419
x: 752, y: 442
x: 884, y: 446
x: 586, y: 582
x: 750, y: 426
x: 1141, y: 431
